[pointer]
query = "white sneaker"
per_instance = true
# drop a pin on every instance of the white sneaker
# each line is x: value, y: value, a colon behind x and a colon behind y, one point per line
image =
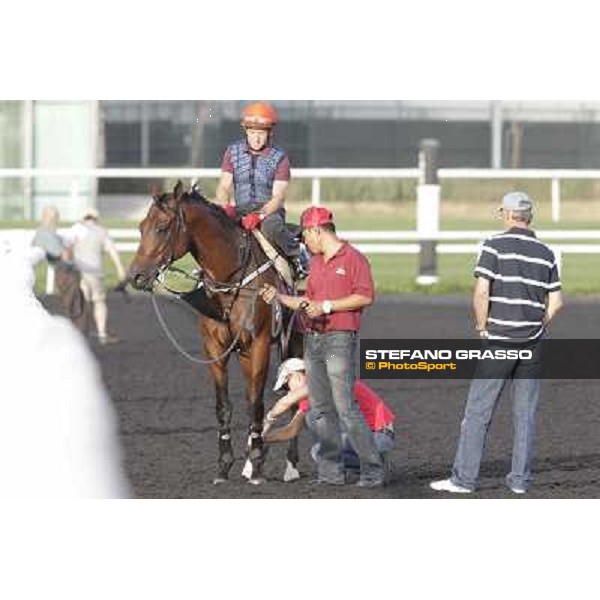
x: 446, y: 485
x: 516, y: 490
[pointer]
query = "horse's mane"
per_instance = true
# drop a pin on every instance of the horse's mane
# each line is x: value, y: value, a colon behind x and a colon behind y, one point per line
x: 214, y: 209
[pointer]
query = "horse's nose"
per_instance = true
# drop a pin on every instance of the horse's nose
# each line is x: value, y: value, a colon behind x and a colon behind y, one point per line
x: 140, y: 281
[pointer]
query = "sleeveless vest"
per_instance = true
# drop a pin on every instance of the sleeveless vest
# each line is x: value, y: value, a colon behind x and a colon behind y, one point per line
x: 253, y: 175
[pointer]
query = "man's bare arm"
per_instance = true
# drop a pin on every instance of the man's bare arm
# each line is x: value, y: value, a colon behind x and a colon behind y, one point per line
x: 224, y: 188
x: 481, y: 302
x: 290, y: 431
x: 112, y: 251
x: 554, y: 302
x: 288, y: 401
x: 278, y: 199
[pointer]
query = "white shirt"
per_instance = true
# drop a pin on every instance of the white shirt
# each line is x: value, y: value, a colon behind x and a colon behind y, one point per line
x: 89, y: 241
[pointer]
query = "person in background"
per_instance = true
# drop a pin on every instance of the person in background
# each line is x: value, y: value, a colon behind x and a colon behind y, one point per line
x: 89, y: 242
x: 292, y: 375
x: 59, y: 255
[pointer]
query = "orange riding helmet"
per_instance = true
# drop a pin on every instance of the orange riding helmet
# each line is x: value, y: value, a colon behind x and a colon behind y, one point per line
x: 259, y: 115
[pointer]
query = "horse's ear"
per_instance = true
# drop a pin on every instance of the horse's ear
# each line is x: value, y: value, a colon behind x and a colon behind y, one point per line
x: 178, y: 190
x: 155, y: 192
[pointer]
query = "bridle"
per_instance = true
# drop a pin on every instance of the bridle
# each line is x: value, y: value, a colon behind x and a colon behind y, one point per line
x: 172, y: 236
x: 211, y: 285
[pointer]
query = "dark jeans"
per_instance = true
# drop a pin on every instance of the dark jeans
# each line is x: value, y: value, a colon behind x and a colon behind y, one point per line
x: 481, y: 402
x: 68, y: 280
x: 276, y: 231
x: 331, y: 371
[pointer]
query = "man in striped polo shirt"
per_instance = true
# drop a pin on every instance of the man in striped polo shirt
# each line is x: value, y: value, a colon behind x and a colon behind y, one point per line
x: 517, y: 293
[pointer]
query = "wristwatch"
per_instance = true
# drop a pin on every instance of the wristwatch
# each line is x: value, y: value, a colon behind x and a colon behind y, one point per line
x: 327, y: 306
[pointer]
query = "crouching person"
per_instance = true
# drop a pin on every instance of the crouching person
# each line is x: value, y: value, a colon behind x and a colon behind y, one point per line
x: 378, y: 416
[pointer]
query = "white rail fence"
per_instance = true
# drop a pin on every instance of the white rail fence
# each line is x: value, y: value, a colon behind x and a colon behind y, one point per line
x: 553, y: 176
x: 370, y: 242
x: 380, y: 242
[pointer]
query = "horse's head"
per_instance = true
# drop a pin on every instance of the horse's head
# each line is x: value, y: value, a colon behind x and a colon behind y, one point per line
x: 164, y: 238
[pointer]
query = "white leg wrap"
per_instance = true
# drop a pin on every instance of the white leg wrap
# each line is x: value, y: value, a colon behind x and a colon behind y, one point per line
x: 291, y: 473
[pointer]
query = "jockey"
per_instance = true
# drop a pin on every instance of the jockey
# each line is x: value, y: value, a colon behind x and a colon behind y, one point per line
x: 255, y: 176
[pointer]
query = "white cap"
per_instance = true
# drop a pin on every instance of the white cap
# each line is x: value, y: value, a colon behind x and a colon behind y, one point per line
x: 291, y: 365
x: 91, y: 213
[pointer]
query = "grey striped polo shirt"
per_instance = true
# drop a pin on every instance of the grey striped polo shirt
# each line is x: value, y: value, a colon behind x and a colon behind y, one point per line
x: 522, y: 271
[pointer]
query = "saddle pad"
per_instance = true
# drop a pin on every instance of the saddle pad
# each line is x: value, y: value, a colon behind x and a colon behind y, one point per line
x: 280, y: 263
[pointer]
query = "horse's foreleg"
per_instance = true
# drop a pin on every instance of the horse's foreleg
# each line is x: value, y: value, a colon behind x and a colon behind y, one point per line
x: 255, y: 367
x: 291, y: 466
x: 224, y: 411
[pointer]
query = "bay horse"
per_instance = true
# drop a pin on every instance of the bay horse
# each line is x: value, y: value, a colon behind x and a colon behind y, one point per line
x: 181, y: 222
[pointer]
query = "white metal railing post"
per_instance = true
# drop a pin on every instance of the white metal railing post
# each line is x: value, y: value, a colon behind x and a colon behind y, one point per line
x: 555, y: 195
x: 558, y: 255
x: 316, y: 191
x: 428, y: 211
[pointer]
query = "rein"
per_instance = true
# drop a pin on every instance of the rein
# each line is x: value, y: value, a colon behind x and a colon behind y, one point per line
x: 277, y: 326
x: 184, y: 353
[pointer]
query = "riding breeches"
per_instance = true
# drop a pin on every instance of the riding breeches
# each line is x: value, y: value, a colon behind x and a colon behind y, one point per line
x: 276, y: 231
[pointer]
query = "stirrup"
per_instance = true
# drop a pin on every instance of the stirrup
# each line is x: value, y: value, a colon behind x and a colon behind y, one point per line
x: 300, y: 271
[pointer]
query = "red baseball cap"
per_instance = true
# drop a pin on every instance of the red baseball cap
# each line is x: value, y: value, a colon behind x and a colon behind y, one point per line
x: 315, y: 216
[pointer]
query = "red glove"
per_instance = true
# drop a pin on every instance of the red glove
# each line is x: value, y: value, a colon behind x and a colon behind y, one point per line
x: 230, y: 211
x: 252, y: 221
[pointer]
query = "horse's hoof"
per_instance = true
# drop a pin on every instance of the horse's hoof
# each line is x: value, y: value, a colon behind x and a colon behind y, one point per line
x: 291, y: 472
x: 257, y: 480
x: 247, y: 471
x: 219, y: 480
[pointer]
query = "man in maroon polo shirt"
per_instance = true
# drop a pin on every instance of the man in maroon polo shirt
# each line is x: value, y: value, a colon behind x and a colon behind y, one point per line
x: 339, y: 286
x: 255, y: 176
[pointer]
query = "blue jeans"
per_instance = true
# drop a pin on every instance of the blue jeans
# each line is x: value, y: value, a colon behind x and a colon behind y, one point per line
x: 331, y: 371
x: 384, y: 442
x: 481, y: 402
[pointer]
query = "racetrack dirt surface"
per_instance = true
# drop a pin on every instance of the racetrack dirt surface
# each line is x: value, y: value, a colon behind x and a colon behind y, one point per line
x: 166, y: 413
